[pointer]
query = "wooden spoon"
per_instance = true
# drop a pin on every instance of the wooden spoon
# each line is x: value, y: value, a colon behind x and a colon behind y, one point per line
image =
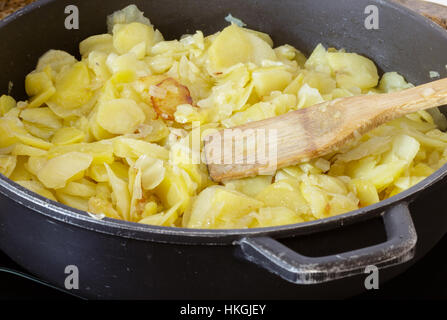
x: 312, y: 132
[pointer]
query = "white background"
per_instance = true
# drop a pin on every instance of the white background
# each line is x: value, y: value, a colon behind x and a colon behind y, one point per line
x: 444, y: 2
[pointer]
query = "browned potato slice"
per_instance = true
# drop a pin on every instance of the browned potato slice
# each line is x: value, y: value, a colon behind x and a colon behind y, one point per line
x: 175, y: 95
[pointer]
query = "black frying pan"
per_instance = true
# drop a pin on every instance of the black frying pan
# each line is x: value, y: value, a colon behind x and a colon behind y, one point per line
x: 126, y: 260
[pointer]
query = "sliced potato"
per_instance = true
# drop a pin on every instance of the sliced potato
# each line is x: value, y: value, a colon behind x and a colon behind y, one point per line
x: 59, y: 170
x: 39, y: 131
x: 250, y: 186
x: 121, y: 194
x: 318, y: 60
x: 21, y: 149
x: 120, y: 116
x: 100, y: 206
x: 96, y: 43
x: 353, y: 70
x: 266, y: 80
x: 98, y: 172
x: 37, y: 187
x: 39, y: 86
x: 21, y: 173
x: 127, y: 36
x: 235, y: 45
x: 6, y: 104
x: 101, y: 152
x: 42, y: 117
x: 173, y: 189
x: 7, y: 164
x: 81, y: 188
x: 276, y: 216
x: 68, y: 135
x: 133, y: 148
x: 217, y: 207
x: 284, y: 193
x: 56, y: 60
x: 365, y: 191
x: 72, y: 201
x: 129, y: 14
x: 72, y: 87
x: 35, y: 164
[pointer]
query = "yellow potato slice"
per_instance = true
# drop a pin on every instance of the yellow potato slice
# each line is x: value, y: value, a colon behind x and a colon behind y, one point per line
x: 133, y: 148
x: 353, y: 70
x: 37, y: 187
x: 276, y: 216
x: 365, y: 191
x: 250, y: 186
x: 120, y: 193
x: 284, y: 193
x: 39, y: 86
x: 235, y: 45
x: 173, y: 189
x: 120, y: 116
x: 217, y: 207
x: 56, y: 60
x: 21, y: 149
x: 6, y: 104
x: 72, y: 87
x: 7, y: 164
x: 42, y: 117
x: 101, y: 152
x: 59, y: 170
x: 81, y: 188
x: 127, y: 36
x: 267, y: 80
x: 72, y: 201
x: 68, y: 135
x: 96, y: 43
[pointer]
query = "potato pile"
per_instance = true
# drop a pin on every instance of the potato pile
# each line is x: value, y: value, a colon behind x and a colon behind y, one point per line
x: 113, y: 133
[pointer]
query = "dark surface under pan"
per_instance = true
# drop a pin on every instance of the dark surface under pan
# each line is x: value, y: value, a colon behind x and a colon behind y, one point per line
x: 126, y: 260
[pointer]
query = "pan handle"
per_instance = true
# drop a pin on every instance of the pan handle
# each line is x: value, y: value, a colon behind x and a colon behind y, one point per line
x: 296, y: 268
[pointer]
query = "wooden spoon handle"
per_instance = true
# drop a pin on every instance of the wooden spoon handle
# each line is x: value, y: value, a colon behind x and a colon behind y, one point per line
x: 267, y: 145
x: 429, y: 95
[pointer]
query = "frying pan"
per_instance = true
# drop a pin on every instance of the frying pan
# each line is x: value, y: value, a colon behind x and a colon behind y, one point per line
x: 320, y: 259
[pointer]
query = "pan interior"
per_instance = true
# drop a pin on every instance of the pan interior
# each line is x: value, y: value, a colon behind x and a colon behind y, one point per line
x: 303, y: 24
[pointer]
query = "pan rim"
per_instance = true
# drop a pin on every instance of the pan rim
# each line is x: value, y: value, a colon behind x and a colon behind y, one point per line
x: 126, y: 229
x: 62, y: 213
